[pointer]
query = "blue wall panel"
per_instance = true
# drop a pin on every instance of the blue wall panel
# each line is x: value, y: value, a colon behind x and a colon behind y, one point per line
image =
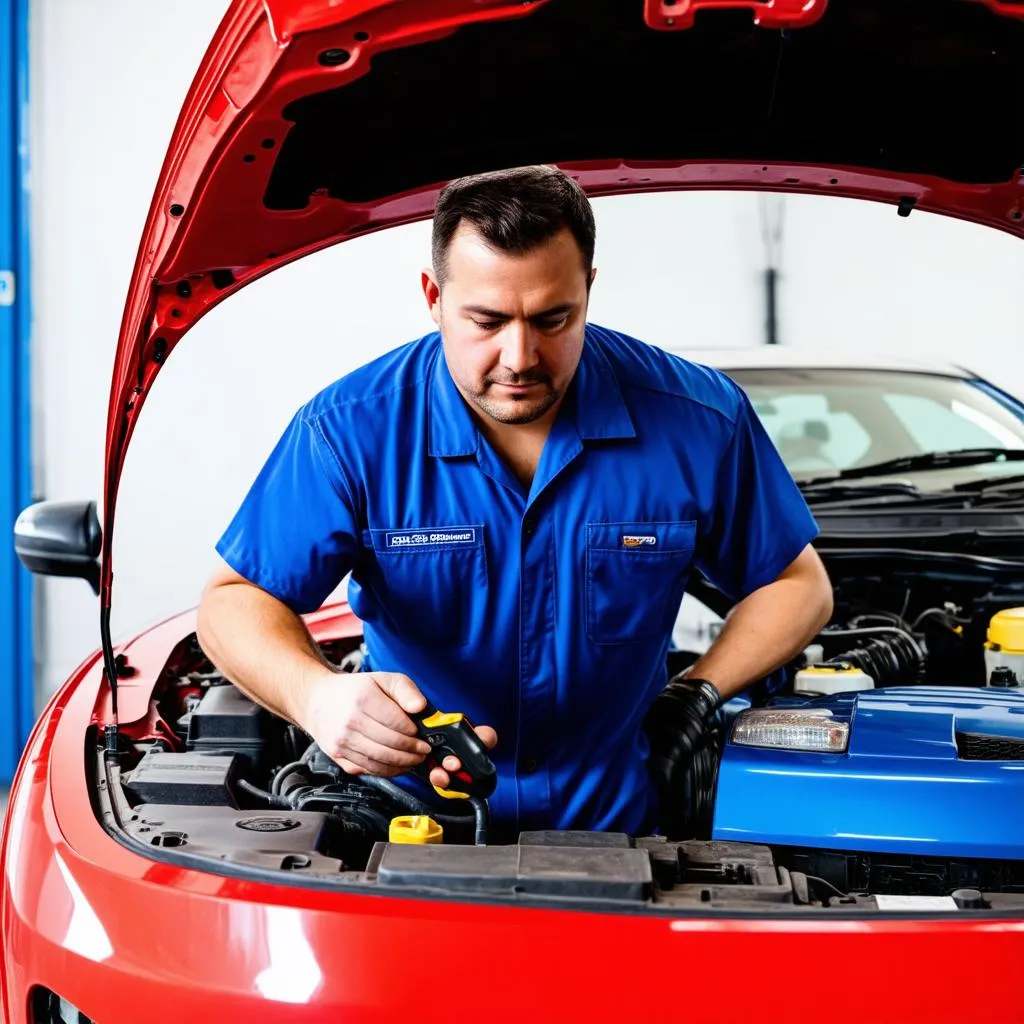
x: 17, y: 711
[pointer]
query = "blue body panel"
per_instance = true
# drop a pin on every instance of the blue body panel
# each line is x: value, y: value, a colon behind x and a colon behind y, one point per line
x: 900, y: 788
x: 16, y: 661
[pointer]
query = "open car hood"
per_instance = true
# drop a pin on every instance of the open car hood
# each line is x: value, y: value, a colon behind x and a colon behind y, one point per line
x: 312, y: 121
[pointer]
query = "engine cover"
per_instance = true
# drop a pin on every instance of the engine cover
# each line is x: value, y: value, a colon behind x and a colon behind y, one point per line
x: 930, y: 770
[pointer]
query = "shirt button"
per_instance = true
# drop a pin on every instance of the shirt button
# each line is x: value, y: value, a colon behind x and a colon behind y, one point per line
x: 529, y: 526
x: 530, y: 764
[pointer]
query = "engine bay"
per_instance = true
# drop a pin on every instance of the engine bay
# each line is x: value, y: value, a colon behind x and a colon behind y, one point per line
x: 215, y: 780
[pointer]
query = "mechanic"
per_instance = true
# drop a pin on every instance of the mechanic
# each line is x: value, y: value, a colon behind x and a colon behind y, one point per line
x: 519, y: 497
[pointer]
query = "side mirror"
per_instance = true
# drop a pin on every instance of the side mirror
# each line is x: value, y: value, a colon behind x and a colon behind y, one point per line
x: 60, y: 538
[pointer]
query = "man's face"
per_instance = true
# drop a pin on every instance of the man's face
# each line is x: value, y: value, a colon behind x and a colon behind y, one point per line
x: 512, y: 325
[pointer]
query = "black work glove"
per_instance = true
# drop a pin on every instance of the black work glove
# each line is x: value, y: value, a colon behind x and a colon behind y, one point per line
x: 683, y: 761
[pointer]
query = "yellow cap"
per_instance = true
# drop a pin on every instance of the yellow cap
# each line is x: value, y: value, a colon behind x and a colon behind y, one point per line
x: 1006, y: 630
x: 415, y: 828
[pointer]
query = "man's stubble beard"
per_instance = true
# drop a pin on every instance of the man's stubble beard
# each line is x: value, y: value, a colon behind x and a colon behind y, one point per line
x: 514, y: 409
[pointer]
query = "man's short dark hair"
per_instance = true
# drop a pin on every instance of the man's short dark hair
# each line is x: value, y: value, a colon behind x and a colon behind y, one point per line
x: 514, y: 210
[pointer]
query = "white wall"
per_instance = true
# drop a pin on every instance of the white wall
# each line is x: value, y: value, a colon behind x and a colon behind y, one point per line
x: 858, y: 277
x: 109, y: 77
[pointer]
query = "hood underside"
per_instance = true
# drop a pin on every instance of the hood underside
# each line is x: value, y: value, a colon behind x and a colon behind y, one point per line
x: 311, y: 122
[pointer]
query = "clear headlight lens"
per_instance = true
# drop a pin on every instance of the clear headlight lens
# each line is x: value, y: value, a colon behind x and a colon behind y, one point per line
x: 811, y: 729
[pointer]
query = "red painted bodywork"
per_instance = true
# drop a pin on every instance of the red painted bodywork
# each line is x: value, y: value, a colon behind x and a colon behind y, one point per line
x: 128, y: 939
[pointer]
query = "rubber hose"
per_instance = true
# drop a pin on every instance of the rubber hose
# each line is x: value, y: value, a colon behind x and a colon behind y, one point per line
x: 279, y: 776
x: 271, y: 798
x: 482, y: 816
x: 411, y: 803
x: 885, y: 660
x: 887, y: 653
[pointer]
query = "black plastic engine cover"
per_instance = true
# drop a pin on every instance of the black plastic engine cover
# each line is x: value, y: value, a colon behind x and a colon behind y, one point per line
x: 195, y: 779
x: 569, y: 872
x: 225, y: 719
x: 276, y: 839
x: 570, y: 837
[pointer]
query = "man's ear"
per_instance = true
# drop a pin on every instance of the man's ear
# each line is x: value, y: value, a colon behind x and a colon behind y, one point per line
x: 432, y: 293
x: 593, y: 274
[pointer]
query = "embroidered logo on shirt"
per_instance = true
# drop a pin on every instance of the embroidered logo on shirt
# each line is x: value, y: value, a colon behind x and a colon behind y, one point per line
x: 639, y: 540
x: 419, y: 538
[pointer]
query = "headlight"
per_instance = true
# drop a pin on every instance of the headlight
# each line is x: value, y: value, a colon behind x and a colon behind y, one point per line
x: 811, y: 729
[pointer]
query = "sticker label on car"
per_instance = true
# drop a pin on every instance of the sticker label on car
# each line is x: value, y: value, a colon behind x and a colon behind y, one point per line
x: 927, y: 903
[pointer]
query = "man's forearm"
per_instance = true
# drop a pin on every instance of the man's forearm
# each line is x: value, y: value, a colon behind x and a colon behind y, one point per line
x: 361, y: 721
x: 261, y: 646
x: 768, y: 629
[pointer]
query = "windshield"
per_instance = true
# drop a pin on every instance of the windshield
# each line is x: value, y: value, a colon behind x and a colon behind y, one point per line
x: 826, y: 420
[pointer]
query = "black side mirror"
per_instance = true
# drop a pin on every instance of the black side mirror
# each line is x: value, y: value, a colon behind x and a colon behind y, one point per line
x: 60, y: 538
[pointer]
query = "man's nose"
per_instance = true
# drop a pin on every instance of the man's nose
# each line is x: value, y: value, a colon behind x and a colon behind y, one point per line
x: 519, y: 347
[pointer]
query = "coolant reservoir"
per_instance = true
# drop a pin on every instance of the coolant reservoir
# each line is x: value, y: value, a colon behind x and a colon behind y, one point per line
x: 1005, y: 644
x: 840, y: 677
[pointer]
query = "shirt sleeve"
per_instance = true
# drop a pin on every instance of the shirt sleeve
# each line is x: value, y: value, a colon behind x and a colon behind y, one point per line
x: 295, y: 534
x: 760, y: 521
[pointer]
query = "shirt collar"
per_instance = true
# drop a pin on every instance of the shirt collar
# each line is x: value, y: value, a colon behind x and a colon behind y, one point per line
x: 452, y: 430
x: 600, y: 409
x: 601, y: 412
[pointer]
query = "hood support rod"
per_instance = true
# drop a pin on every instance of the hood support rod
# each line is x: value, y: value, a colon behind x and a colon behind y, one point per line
x: 110, y: 730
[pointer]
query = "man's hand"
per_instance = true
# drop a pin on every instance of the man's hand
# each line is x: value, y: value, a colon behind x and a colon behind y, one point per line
x: 679, y: 727
x: 361, y: 720
x: 677, y: 724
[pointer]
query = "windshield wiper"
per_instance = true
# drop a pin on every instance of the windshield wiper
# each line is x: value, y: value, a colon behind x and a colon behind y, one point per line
x: 924, y: 461
x: 992, y: 483
x: 834, y: 489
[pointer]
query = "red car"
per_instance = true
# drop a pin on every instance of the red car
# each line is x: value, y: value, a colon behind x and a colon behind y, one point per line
x: 172, y: 852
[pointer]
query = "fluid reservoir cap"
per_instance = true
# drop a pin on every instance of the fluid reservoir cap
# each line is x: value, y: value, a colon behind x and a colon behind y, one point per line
x: 1002, y: 675
x: 1006, y: 630
x: 832, y: 677
x: 415, y: 829
x: 969, y: 899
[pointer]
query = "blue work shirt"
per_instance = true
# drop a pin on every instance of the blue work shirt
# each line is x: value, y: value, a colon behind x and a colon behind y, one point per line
x: 545, y: 612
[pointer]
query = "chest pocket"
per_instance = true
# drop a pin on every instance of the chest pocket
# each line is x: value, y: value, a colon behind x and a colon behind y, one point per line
x: 429, y: 581
x: 636, y: 576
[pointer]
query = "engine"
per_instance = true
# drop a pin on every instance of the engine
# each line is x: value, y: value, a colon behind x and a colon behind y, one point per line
x: 881, y: 655
x: 907, y: 792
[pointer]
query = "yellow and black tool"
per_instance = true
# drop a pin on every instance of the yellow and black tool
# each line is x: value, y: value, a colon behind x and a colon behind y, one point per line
x: 452, y: 734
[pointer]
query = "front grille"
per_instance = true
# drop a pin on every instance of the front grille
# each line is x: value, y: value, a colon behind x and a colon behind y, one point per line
x: 972, y: 746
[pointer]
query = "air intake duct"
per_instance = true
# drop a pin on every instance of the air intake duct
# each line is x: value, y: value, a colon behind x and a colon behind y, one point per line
x: 890, y: 655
